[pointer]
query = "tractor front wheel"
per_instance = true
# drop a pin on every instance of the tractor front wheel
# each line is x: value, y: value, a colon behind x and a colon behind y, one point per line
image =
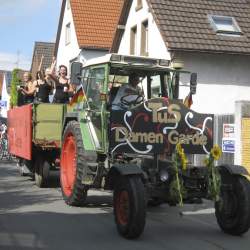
x: 233, y: 209
x: 73, y: 165
x: 130, y: 206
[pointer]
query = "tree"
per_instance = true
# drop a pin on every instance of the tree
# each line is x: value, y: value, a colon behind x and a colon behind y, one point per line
x: 14, y: 83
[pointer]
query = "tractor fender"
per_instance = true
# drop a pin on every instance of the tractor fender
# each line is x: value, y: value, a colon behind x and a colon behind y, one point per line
x: 70, y: 117
x: 233, y: 170
x: 122, y: 170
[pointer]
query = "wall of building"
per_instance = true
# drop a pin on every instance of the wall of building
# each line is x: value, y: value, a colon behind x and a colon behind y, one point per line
x: 66, y: 52
x: 222, y: 80
x: 156, y: 46
x: 85, y: 54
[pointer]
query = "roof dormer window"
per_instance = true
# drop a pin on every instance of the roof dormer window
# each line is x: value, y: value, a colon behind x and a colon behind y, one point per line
x: 225, y: 25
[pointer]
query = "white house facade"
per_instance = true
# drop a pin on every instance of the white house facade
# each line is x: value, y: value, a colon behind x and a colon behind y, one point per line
x: 85, y: 29
x: 155, y: 44
x: 68, y: 47
x: 223, y: 77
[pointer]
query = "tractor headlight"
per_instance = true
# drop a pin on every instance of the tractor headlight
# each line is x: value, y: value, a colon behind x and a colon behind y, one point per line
x: 164, y: 176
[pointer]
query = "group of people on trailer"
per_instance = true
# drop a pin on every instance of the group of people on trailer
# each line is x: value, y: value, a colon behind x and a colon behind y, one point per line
x: 46, y: 84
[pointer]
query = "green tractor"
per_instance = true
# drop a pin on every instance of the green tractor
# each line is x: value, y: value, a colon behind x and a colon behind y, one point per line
x: 142, y: 147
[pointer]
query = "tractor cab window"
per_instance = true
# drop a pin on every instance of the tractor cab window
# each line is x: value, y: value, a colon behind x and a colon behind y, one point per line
x: 125, y: 90
x: 149, y: 84
x: 85, y: 75
x: 95, y: 82
x: 155, y: 86
x: 158, y: 85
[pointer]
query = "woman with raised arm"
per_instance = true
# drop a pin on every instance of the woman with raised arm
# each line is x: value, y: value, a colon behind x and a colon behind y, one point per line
x: 43, y: 86
x: 63, y: 89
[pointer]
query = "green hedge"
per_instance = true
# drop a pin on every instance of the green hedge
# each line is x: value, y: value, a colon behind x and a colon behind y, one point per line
x: 14, y: 83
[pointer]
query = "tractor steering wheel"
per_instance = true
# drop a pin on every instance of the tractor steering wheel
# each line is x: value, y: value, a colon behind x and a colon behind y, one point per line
x: 139, y: 99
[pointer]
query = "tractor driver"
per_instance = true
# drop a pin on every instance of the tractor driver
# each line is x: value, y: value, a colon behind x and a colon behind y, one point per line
x: 128, y: 94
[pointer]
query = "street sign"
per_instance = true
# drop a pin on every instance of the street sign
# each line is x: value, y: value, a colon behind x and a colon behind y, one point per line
x: 228, y: 145
x: 228, y: 139
x: 3, y: 104
x: 228, y: 130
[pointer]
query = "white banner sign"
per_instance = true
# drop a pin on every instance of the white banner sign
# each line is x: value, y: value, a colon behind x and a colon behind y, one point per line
x: 228, y: 140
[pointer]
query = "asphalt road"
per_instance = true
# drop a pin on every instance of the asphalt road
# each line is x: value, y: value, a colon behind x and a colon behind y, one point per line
x: 33, y: 218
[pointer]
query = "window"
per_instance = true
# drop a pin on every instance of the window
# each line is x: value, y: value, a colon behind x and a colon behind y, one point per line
x: 155, y: 86
x: 138, y: 5
x: 224, y: 25
x: 67, y: 34
x: 85, y: 75
x: 68, y: 4
x: 133, y: 41
x: 144, y: 38
x: 95, y: 82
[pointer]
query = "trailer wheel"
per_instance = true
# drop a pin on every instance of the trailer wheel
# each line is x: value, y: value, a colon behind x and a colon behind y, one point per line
x: 130, y: 206
x: 73, y: 166
x: 42, y: 168
x: 233, y: 209
x: 25, y: 167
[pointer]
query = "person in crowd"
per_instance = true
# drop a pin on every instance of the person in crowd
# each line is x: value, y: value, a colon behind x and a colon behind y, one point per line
x: 63, y: 89
x: 3, y: 131
x: 43, y: 86
x: 27, y: 90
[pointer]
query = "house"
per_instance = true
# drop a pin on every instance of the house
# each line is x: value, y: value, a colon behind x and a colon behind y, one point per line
x: 86, y: 29
x: 210, y: 37
x: 45, y: 50
x: 8, y: 79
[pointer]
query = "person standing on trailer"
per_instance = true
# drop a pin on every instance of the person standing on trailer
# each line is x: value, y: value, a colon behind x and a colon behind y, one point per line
x: 43, y: 86
x: 63, y: 89
x: 27, y: 91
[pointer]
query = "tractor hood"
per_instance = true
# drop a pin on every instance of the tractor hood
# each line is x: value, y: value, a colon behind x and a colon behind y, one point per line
x: 157, y: 125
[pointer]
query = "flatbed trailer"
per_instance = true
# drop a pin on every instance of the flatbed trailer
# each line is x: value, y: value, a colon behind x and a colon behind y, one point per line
x: 34, y: 133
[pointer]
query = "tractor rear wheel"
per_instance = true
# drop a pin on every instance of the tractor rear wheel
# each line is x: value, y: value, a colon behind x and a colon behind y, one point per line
x: 233, y: 209
x: 73, y: 165
x: 130, y: 206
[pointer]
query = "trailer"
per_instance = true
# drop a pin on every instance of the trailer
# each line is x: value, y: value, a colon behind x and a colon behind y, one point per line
x: 34, y: 134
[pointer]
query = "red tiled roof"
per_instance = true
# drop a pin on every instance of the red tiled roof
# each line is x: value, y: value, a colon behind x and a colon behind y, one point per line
x: 184, y: 25
x: 95, y: 21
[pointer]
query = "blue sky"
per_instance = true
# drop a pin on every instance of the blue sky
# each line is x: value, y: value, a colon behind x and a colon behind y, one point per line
x: 22, y: 22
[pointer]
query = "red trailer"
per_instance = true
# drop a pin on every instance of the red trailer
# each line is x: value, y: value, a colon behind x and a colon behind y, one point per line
x: 20, y: 131
x: 34, y: 134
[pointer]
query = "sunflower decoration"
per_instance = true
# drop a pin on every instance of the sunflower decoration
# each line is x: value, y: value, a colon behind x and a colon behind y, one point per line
x: 206, y: 161
x: 179, y: 163
x: 216, y: 152
x: 214, y: 181
x: 182, y: 156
